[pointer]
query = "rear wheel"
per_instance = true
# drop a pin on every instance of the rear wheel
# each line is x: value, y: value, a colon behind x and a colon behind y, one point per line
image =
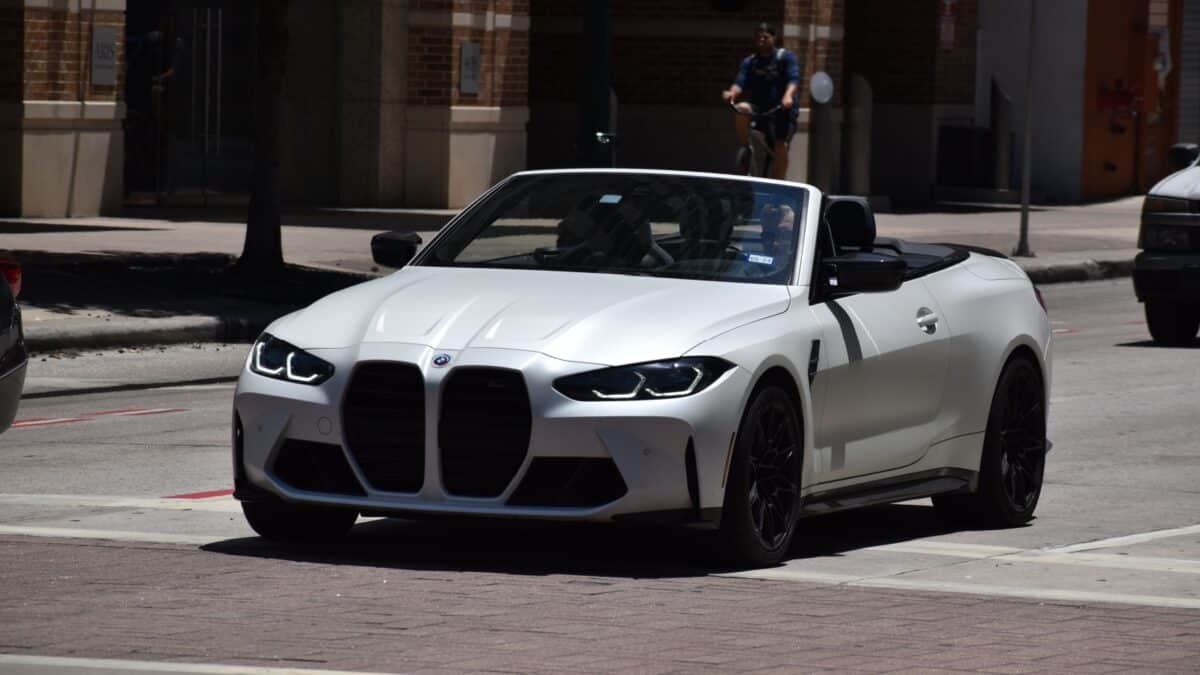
x: 281, y: 521
x: 762, y: 491
x: 1172, y: 323
x: 1014, y: 453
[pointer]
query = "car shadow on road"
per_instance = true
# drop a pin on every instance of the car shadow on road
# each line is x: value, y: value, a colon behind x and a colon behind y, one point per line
x: 534, y: 548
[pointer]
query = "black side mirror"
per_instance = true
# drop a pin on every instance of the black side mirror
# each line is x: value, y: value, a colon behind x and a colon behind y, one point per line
x: 395, y: 249
x: 1182, y: 155
x: 862, y: 273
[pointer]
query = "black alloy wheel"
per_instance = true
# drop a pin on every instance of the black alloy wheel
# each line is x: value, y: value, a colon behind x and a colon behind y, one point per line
x: 762, y: 491
x: 1172, y: 323
x: 1014, y: 453
x: 1021, y: 438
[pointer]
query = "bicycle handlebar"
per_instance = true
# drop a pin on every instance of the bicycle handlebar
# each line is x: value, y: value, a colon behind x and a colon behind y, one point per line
x: 765, y: 113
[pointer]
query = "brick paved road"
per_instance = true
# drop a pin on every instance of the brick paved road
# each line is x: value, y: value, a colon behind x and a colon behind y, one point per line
x: 393, y: 608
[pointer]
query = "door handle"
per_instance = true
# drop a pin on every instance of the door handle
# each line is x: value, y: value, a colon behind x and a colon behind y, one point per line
x: 927, y: 320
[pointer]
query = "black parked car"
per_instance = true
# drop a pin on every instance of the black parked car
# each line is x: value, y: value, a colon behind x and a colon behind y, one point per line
x: 12, y: 344
x: 1166, y: 274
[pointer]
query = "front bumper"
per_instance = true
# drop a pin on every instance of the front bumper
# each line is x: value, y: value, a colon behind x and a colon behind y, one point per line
x: 1172, y: 277
x: 671, y: 455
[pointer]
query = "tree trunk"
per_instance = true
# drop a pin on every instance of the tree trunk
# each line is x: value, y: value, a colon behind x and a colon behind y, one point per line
x: 263, y: 249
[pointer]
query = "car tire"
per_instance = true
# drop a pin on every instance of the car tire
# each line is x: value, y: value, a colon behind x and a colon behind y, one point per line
x: 1014, y: 453
x: 281, y: 521
x: 1173, y: 323
x: 762, y: 490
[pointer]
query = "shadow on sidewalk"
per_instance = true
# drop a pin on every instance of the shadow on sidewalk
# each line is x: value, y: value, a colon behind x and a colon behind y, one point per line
x: 402, y: 220
x: 161, y: 285
x: 27, y: 227
x: 534, y: 548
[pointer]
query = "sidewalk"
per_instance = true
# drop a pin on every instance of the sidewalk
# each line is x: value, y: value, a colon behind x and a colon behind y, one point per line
x: 73, y: 299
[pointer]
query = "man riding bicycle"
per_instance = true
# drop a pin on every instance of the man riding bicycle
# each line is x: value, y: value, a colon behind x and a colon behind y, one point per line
x: 769, y: 78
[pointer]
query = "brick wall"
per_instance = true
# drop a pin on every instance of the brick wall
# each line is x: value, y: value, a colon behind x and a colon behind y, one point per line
x: 896, y: 47
x: 675, y: 52
x: 435, y: 51
x: 954, y: 72
x: 55, y: 48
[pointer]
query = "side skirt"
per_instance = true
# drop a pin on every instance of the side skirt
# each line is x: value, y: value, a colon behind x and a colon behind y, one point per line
x: 889, y: 490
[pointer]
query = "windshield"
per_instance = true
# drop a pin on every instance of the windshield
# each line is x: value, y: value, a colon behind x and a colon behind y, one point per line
x: 645, y: 224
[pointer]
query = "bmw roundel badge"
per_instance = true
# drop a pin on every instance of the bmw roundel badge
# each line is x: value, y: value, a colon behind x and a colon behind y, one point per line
x: 441, y: 360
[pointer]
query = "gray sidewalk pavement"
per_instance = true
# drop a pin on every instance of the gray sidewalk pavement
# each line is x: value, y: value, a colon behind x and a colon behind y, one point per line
x: 1071, y: 243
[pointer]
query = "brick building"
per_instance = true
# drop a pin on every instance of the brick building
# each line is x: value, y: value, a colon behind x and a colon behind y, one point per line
x: 424, y: 103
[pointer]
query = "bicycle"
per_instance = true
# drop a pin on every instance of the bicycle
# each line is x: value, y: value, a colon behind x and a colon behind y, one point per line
x: 754, y: 158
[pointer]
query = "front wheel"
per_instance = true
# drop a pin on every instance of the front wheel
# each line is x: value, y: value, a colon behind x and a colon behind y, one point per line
x: 281, y: 521
x: 762, y: 492
x: 1172, y: 323
x: 1014, y: 453
x: 741, y: 161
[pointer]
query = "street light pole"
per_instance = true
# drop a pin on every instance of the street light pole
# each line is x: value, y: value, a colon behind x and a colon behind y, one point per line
x: 1022, y: 248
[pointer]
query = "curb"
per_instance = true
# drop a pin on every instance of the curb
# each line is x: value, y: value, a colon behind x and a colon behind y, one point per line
x: 1087, y: 270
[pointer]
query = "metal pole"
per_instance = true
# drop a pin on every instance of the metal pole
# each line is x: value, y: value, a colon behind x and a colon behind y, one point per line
x: 596, y: 140
x: 1022, y: 248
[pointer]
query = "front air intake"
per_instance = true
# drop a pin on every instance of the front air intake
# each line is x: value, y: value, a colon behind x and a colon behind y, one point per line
x: 569, y: 482
x: 484, y: 430
x: 316, y: 467
x: 383, y: 415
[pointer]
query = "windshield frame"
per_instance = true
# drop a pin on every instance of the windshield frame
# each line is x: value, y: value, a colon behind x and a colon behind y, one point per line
x: 800, y: 265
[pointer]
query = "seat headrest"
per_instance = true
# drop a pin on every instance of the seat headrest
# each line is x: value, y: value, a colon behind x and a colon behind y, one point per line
x: 851, y: 221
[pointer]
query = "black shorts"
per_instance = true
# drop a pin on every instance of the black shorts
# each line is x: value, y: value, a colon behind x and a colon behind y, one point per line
x: 780, y: 127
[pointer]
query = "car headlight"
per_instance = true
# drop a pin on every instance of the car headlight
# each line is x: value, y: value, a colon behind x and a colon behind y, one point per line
x: 274, y: 358
x: 1166, y: 205
x: 644, y: 381
x: 1166, y: 238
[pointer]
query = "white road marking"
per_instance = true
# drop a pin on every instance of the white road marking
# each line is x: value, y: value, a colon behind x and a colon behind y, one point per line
x: 947, y: 548
x: 109, y: 535
x: 1075, y: 555
x: 56, y: 664
x: 1128, y: 540
x: 21, y: 424
x: 218, y: 504
x: 896, y: 583
x: 1112, y: 561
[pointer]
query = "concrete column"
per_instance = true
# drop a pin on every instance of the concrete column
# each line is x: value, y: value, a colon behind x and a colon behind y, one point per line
x: 61, y: 142
x: 815, y: 30
x: 464, y: 123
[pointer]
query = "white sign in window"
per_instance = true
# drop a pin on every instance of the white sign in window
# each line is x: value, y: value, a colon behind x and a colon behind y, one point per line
x: 104, y: 56
x: 468, y: 69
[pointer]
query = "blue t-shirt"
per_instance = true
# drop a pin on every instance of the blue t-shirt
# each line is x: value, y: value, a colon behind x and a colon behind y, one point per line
x: 763, y: 80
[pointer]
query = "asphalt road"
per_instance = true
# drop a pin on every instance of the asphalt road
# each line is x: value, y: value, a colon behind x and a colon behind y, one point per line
x: 96, y: 487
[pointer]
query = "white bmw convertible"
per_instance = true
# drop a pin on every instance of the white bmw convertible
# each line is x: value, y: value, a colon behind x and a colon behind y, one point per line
x: 680, y: 348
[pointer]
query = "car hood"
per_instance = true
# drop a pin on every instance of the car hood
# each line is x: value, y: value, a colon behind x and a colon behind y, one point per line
x: 596, y: 318
x: 1183, y: 184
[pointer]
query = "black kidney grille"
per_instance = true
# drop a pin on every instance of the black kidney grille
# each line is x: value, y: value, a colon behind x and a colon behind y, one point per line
x: 383, y: 415
x: 484, y: 430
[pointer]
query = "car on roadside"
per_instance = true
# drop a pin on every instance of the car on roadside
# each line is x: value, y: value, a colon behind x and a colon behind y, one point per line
x: 1166, y: 272
x: 13, y: 357
x: 688, y: 349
